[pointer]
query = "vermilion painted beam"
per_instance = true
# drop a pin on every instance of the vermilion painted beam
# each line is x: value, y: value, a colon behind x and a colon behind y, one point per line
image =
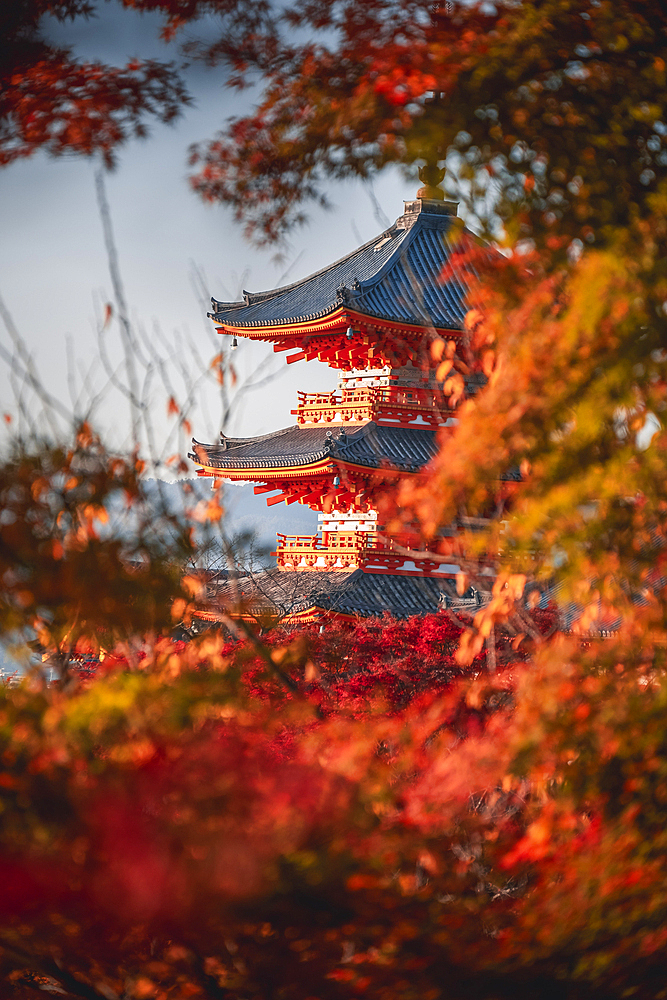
x: 274, y: 500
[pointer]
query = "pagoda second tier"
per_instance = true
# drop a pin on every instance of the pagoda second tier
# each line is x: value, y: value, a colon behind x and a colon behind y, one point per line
x: 388, y: 407
x: 380, y: 305
x: 405, y: 397
x: 326, y: 469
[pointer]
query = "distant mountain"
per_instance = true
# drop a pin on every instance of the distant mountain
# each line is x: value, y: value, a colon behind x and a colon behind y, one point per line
x: 247, y: 512
x: 244, y: 512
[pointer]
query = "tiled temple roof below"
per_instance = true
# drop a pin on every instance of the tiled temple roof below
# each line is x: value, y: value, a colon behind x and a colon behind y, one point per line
x: 371, y: 446
x: 394, y: 277
x: 371, y: 594
x: 357, y: 593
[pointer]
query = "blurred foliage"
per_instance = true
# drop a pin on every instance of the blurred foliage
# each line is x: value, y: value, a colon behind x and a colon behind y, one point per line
x: 192, y: 826
x: 69, y: 582
x: 550, y: 112
x: 392, y: 825
x: 398, y: 820
x: 51, y: 100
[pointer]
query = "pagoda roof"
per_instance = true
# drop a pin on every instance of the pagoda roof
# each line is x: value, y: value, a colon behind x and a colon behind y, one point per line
x: 371, y: 446
x: 394, y: 277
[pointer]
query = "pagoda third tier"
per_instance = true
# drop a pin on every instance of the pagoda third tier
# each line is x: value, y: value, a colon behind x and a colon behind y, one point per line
x: 354, y: 540
x: 378, y: 306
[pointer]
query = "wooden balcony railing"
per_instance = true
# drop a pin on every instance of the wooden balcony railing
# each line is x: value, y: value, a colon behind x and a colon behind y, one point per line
x: 342, y: 550
x: 391, y: 404
x: 339, y: 550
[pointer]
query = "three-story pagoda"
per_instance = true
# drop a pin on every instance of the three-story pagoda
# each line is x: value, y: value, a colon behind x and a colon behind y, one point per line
x: 372, y: 316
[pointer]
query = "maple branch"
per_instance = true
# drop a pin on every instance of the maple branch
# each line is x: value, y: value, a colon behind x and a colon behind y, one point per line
x: 49, y: 968
x: 436, y: 557
x: 527, y: 625
x: 236, y: 626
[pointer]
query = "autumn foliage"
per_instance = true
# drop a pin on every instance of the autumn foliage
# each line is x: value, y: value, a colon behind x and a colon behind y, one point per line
x: 392, y: 822
x: 429, y: 809
x: 52, y: 101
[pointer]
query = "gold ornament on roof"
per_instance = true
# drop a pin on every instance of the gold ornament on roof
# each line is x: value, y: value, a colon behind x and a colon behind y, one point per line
x: 431, y: 175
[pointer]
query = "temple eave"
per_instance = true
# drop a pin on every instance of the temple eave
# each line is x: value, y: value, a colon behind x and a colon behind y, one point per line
x: 384, y: 472
x: 310, y: 616
x: 344, y: 339
x: 329, y: 321
x: 266, y: 472
x: 332, y: 596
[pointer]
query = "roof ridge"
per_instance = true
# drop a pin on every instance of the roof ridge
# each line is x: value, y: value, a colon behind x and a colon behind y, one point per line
x: 270, y: 293
x: 391, y: 262
x: 256, y: 437
x: 357, y: 434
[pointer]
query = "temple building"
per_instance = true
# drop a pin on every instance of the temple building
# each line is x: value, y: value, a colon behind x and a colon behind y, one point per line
x: 372, y: 316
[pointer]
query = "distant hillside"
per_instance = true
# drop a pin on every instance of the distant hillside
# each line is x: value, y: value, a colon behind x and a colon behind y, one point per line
x: 244, y: 512
x: 248, y: 512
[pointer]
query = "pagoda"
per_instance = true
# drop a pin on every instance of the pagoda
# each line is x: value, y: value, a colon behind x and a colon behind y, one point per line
x: 372, y: 316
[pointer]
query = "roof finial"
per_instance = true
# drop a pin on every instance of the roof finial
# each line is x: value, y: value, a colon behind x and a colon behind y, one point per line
x: 431, y: 176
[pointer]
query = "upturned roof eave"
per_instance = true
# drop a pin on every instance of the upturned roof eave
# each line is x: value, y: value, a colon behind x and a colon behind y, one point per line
x: 327, y: 453
x: 273, y: 292
x: 284, y: 327
x: 332, y: 464
x: 267, y: 471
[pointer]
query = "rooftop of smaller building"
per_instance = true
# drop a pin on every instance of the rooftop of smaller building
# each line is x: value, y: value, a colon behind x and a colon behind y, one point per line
x: 354, y: 594
x: 395, y: 277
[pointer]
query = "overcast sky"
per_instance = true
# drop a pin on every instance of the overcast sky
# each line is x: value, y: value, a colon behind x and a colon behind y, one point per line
x: 54, y: 274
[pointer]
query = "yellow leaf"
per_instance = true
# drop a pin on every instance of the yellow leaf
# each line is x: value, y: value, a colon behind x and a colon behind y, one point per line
x: 214, y: 511
x: 311, y: 673
x: 177, y: 608
x: 437, y: 349
x: 443, y: 370
x: 193, y: 585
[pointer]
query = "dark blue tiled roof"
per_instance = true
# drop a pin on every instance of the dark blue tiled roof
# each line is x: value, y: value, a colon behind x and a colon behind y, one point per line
x: 406, y: 449
x: 396, y: 277
x: 372, y: 594
x: 349, y: 593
